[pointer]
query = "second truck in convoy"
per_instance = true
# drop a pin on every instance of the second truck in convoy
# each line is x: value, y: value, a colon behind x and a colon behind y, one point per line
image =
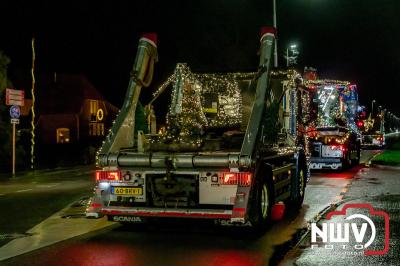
x: 331, y: 116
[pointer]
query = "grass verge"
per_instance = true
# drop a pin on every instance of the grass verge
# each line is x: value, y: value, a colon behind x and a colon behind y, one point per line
x: 391, y: 156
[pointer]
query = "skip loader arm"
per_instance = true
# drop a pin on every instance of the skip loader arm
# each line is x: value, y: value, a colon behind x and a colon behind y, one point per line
x: 121, y: 134
x: 254, y: 124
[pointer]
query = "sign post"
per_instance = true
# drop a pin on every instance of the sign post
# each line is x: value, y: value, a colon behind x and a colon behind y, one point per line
x: 13, y: 149
x: 15, y: 113
x: 15, y: 98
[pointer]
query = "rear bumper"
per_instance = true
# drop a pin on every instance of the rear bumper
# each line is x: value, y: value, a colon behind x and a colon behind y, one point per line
x: 325, y: 163
x: 162, y: 212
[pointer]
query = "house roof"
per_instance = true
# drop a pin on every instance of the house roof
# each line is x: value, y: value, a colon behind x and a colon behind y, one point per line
x: 66, y: 94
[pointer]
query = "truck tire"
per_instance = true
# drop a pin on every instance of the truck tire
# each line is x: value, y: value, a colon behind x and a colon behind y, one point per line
x: 298, y: 184
x: 347, y: 162
x: 356, y: 161
x: 260, y: 204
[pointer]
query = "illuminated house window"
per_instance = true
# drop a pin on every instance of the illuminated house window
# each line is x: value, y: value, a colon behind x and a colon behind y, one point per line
x: 63, y: 135
x: 94, y: 106
x: 92, y: 129
x: 96, y: 129
x: 100, y: 129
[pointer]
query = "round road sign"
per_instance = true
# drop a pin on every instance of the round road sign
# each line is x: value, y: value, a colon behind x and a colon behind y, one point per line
x: 15, y: 112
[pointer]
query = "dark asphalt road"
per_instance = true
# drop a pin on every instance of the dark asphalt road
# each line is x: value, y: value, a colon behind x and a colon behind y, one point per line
x: 190, y: 242
x: 29, y: 198
x: 202, y: 243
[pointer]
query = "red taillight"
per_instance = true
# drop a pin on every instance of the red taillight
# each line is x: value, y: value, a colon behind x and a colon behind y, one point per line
x: 230, y: 178
x: 108, y: 175
x: 338, y: 147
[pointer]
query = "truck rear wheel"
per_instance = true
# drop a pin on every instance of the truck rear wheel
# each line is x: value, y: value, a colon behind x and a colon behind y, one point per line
x: 260, y: 205
x: 356, y: 161
x: 298, y: 185
x: 347, y: 161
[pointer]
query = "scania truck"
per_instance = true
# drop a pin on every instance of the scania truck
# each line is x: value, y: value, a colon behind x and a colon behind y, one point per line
x: 229, y: 151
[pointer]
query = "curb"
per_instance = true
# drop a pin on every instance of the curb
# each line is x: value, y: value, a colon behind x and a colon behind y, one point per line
x: 385, y: 166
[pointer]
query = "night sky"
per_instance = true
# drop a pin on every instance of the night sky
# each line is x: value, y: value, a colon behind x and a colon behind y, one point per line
x: 356, y: 40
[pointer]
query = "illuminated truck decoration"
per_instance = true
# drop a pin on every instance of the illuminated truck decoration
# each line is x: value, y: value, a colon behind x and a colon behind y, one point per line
x: 331, y: 118
x: 373, y: 131
x: 229, y: 150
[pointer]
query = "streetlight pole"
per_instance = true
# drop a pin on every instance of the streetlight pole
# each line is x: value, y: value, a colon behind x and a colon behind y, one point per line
x: 276, y: 42
x: 287, y: 57
x: 372, y: 108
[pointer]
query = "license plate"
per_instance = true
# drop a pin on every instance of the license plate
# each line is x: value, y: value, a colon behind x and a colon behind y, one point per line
x: 127, y: 191
x: 328, y: 151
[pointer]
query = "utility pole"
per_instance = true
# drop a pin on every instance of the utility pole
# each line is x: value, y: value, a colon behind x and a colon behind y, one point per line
x: 372, y: 108
x: 287, y: 57
x: 276, y: 39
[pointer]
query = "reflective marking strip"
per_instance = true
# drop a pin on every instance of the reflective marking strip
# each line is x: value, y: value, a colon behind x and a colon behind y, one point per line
x: 238, y: 212
x: 168, y: 214
x: 23, y: 190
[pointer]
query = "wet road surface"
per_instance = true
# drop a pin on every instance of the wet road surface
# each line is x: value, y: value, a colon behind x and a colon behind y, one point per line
x: 189, y: 242
x: 380, y: 188
x: 192, y: 242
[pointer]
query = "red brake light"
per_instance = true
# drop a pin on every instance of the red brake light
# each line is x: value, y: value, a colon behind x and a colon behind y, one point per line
x: 230, y: 178
x: 338, y: 147
x: 98, y: 174
x: 108, y: 175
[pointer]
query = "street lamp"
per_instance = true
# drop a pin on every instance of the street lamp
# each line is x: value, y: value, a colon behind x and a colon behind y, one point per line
x: 372, y: 108
x: 291, y: 59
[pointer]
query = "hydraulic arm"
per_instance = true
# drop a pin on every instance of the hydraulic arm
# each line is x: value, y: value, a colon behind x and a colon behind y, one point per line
x: 122, y: 133
x: 254, y: 125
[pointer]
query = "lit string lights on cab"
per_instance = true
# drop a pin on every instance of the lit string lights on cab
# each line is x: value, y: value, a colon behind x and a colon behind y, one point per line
x: 201, y: 101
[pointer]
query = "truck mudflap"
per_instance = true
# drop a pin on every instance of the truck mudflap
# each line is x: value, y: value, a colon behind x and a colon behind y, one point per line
x: 239, y: 210
x: 162, y: 212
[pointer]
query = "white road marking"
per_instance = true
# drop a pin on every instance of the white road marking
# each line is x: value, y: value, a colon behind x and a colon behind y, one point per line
x: 48, y: 186
x: 23, y: 190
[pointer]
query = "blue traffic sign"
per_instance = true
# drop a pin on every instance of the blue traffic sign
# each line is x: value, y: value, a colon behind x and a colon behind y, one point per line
x: 15, y: 112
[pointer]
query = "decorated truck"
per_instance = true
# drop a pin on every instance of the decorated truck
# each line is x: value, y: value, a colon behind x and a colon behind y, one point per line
x: 230, y: 150
x: 331, y: 119
x: 373, y: 131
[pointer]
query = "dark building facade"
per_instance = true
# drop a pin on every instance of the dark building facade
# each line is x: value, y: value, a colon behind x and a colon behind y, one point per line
x: 73, y: 119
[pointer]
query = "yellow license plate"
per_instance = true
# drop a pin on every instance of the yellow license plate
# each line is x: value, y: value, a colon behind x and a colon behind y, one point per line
x: 128, y: 191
